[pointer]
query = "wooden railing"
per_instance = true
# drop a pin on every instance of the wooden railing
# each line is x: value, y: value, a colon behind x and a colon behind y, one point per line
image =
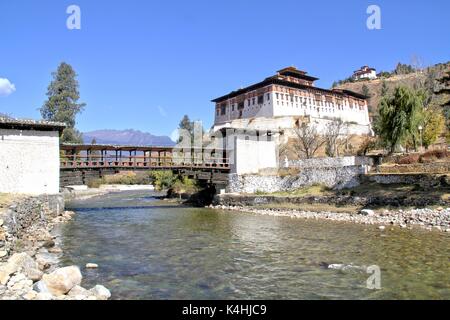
x: 140, y: 162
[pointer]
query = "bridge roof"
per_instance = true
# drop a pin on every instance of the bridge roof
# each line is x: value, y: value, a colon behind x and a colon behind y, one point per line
x: 110, y: 147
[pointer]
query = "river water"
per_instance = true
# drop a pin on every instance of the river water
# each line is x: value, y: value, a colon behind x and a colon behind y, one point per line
x: 150, y: 249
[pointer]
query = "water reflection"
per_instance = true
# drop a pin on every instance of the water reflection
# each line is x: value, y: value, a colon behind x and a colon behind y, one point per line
x: 149, y: 249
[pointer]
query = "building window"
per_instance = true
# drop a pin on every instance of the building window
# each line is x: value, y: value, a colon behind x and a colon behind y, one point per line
x: 223, y: 110
x: 260, y: 99
x: 277, y: 95
x: 253, y: 101
x: 268, y: 97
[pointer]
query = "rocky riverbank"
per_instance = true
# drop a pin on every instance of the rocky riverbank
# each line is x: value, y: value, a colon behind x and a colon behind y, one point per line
x: 30, y: 251
x: 431, y: 219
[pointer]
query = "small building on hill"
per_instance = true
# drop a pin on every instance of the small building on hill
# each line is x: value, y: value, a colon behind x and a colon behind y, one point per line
x: 29, y: 156
x: 365, y: 73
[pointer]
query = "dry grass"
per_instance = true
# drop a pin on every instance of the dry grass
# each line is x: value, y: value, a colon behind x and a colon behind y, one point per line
x: 315, y: 190
x: 6, y: 199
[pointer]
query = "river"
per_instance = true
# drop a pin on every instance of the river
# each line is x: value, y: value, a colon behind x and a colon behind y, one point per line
x: 150, y: 249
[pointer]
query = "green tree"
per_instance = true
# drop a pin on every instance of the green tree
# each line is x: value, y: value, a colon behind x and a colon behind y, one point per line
x: 384, y: 89
x: 187, y: 124
x: 399, y: 118
x: 62, y: 103
x: 433, y: 125
x: 403, y: 69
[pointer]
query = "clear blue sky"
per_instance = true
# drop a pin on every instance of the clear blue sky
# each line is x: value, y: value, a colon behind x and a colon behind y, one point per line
x: 144, y: 64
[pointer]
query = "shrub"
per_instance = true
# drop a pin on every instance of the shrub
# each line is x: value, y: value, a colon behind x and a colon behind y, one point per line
x: 95, y: 183
x: 163, y: 179
x: 433, y: 155
x: 409, y: 159
x: 185, y: 185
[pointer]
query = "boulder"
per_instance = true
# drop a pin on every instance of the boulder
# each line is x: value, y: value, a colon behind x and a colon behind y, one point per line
x: 1, y: 222
x: 100, y: 292
x: 40, y: 287
x: 23, y: 262
x: 3, y: 253
x: 78, y: 291
x: 62, y: 280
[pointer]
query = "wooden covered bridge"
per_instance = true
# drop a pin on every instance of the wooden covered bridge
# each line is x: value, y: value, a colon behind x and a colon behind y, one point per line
x: 83, y: 162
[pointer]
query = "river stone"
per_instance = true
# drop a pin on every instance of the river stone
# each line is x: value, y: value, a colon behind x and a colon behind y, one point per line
x: 22, y: 261
x: 60, y: 281
x: 44, y: 296
x: 55, y: 250
x: 3, y: 253
x: 78, y: 291
x: 91, y: 266
x: 30, y: 295
x: 4, y: 277
x: 48, y: 244
x: 100, y: 292
x: 40, y: 287
x: 45, y: 260
x: 367, y: 212
x: 1, y: 222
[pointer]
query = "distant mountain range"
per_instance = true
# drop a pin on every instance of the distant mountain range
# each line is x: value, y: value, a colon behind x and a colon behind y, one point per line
x: 126, y: 137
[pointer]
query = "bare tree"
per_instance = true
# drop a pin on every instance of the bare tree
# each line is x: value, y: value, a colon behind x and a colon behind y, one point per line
x: 335, y: 137
x: 309, y: 141
x: 417, y: 63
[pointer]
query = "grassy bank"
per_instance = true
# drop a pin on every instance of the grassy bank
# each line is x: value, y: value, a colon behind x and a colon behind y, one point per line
x: 404, y: 193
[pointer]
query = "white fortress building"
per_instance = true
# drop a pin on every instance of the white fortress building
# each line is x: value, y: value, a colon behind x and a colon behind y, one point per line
x: 29, y: 156
x: 365, y: 73
x: 286, y: 100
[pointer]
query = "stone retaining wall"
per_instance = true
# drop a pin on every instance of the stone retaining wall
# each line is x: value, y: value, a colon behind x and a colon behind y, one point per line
x: 421, y: 179
x: 234, y: 200
x: 430, y: 168
x: 26, y: 213
x: 330, y: 162
x: 336, y: 178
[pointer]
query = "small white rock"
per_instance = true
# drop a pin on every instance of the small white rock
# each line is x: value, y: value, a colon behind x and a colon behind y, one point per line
x: 91, y: 266
x: 44, y: 296
x: 381, y: 227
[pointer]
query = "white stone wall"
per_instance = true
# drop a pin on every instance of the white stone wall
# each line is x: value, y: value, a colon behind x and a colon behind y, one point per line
x: 250, y: 156
x: 278, y: 104
x: 330, y: 162
x: 29, y: 162
x: 288, y: 122
x: 336, y: 178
